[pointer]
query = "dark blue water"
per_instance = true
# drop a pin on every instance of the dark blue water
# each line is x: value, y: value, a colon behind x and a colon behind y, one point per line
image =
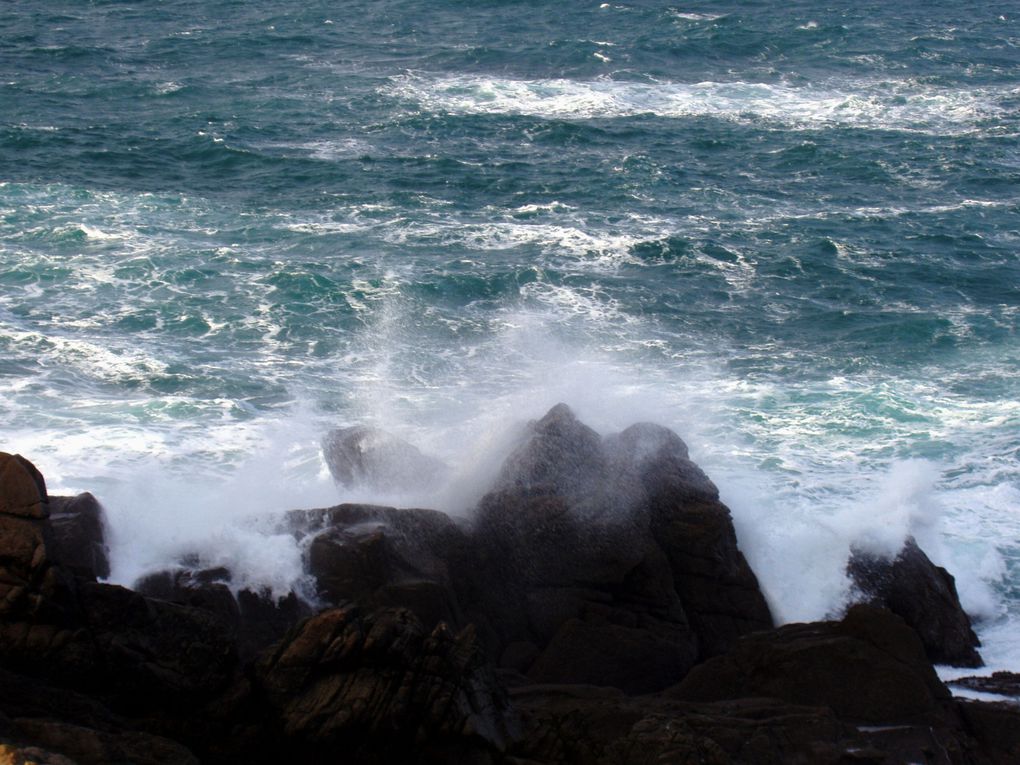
x: 789, y: 231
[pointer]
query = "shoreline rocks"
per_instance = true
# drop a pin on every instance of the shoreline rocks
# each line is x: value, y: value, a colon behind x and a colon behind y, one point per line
x: 595, y: 609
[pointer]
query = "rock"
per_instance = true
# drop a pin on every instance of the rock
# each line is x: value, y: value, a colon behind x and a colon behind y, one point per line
x: 560, y: 456
x: 999, y: 683
x: 621, y: 540
x: 996, y: 727
x: 22, y: 487
x: 55, y: 725
x: 381, y: 556
x: 77, y: 524
x: 924, y: 596
x: 30, y: 584
x: 635, y: 659
x: 255, y: 620
x: 716, y: 586
x: 576, y: 723
x: 366, y: 457
x: 660, y: 459
x: 868, y: 668
x: 380, y: 688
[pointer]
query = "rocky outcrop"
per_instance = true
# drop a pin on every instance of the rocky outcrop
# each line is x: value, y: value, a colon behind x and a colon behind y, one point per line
x: 924, y: 596
x: 595, y: 608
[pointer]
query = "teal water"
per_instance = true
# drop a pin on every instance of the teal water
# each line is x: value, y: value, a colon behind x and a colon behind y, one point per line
x: 790, y: 233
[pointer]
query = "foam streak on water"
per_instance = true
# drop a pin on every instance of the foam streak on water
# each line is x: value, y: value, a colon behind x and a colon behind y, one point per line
x: 790, y: 234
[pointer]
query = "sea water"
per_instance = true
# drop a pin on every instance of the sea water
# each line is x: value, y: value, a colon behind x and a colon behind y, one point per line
x: 788, y: 231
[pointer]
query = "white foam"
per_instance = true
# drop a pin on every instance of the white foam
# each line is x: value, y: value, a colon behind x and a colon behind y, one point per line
x: 888, y: 105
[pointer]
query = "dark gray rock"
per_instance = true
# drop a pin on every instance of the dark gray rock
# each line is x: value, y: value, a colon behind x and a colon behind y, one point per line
x: 369, y: 458
x: 924, y: 596
x: 78, y: 526
x: 868, y: 668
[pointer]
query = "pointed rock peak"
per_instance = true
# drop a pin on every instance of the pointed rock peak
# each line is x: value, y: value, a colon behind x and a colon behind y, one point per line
x: 559, y: 453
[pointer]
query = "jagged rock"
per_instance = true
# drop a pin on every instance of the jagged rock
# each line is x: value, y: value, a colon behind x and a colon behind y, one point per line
x: 380, y: 688
x: 869, y: 668
x: 78, y: 539
x: 560, y: 456
x: 366, y: 457
x: 626, y: 537
x: 924, y: 596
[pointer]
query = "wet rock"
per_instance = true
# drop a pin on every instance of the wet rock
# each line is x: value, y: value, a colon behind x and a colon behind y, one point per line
x: 560, y: 456
x: 620, y: 540
x: 77, y: 524
x: 381, y: 688
x: 868, y: 668
x: 381, y: 556
x: 366, y: 457
x: 924, y: 596
x: 255, y: 620
x: 1000, y: 683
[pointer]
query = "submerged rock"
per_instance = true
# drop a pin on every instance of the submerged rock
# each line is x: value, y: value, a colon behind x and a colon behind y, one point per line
x: 924, y: 596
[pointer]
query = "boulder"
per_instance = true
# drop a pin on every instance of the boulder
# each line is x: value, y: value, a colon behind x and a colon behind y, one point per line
x: 869, y: 668
x: 31, y: 586
x: 380, y: 687
x: 369, y: 458
x: 381, y: 556
x: 924, y: 596
x: 79, y: 543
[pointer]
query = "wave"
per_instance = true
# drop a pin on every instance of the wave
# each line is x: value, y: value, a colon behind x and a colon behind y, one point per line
x: 893, y: 105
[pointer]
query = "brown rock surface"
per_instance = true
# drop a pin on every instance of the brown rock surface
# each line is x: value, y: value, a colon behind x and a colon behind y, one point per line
x: 380, y: 686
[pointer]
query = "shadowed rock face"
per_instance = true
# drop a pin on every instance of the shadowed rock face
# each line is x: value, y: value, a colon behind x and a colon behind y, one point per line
x: 343, y: 680
x: 924, y: 596
x: 870, y: 668
x: 77, y: 524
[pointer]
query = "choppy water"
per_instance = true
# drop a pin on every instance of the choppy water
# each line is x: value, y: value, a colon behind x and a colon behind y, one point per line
x: 789, y: 231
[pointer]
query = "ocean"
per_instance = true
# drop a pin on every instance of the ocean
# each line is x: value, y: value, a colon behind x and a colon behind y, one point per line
x: 788, y: 231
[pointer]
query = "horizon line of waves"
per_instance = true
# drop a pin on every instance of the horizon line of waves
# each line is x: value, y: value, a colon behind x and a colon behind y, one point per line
x: 893, y: 105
